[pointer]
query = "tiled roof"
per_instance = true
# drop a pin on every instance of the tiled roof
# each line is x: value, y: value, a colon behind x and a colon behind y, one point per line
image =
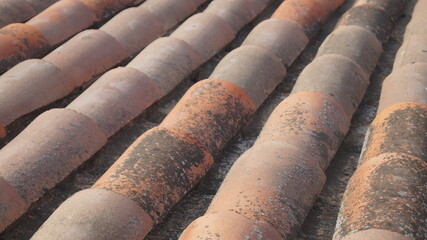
x: 201, y: 124
x: 85, y: 56
x: 54, y: 25
x: 386, y: 197
x: 113, y: 101
x: 279, y: 178
x: 37, y: 82
x: 14, y: 11
x: 144, y: 53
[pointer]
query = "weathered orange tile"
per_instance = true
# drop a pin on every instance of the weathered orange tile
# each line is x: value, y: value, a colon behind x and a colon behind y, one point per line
x: 52, y: 146
x: 76, y: 62
x: 106, y: 8
x: 206, y: 33
x: 87, y: 54
x: 413, y: 50
x: 40, y: 5
x: 385, y: 198
x: 356, y: 43
x: 167, y: 61
x: 237, y: 13
x: 30, y: 85
x: 116, y: 98
x: 170, y: 12
x: 370, y: 17
x: 134, y: 28
x: 310, y: 121
x: 246, y: 66
x: 271, y: 34
x: 202, y: 123
x: 398, y: 128
x: 393, y: 8
x: 158, y: 169
x: 62, y: 20
x: 405, y: 84
x: 19, y: 42
x: 96, y: 214
x: 387, y: 192
x: 279, y: 178
x: 308, y: 13
x: 228, y: 225
x: 12, y: 204
x: 213, y: 110
x: 272, y: 183
x: 13, y: 11
x: 337, y: 76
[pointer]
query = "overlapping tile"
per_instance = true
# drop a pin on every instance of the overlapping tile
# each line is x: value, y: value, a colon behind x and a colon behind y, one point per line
x: 115, y: 99
x: 386, y: 197
x: 277, y: 180
x: 15, y: 11
x: 37, y: 82
x: 53, y: 26
x: 164, y: 163
x: 84, y: 57
x: 299, y: 132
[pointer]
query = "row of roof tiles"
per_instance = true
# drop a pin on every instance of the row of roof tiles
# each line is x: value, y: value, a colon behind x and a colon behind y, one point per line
x: 72, y: 135
x: 37, y: 82
x: 164, y: 163
x: 386, y: 197
x: 54, y: 25
x: 14, y: 11
x: 275, y: 183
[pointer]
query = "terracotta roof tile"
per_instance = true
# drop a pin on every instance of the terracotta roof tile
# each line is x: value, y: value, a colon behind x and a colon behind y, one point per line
x: 105, y: 208
x: 229, y: 225
x: 246, y: 65
x: 272, y: 33
x: 62, y: 20
x: 271, y: 188
x: 409, y: 81
x: 54, y: 25
x: 386, y: 196
x: 135, y: 28
x: 19, y: 96
x: 170, y: 12
x: 19, y: 42
x: 81, y: 59
x: 110, y: 124
x: 206, y: 33
x: 277, y: 180
x: 14, y: 11
x: 115, y: 99
x: 237, y: 13
x: 337, y: 76
x: 356, y: 43
x: 308, y: 13
x: 208, y: 116
x: 167, y: 61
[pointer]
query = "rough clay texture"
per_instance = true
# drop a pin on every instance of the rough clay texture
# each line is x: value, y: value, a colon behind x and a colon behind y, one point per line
x: 320, y: 222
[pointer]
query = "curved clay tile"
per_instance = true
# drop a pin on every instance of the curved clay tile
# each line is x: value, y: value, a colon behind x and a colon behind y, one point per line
x: 164, y: 163
x: 277, y: 180
x: 35, y: 83
x: 15, y: 11
x: 385, y: 198
x: 56, y: 24
x: 111, y: 89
